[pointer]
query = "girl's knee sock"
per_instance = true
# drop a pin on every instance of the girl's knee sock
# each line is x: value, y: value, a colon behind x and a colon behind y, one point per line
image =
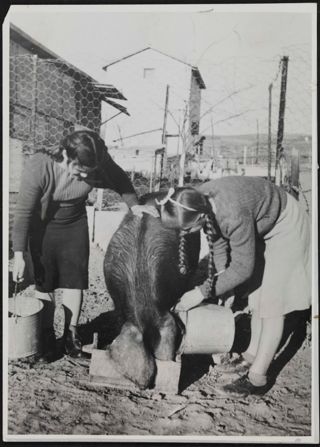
x: 248, y: 357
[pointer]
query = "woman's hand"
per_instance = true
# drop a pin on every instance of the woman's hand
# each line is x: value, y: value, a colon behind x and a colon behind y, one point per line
x: 18, y: 267
x: 189, y: 300
x: 148, y: 209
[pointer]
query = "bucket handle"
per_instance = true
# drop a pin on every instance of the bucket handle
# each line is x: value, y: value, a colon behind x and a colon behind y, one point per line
x: 15, y: 315
x: 183, y: 341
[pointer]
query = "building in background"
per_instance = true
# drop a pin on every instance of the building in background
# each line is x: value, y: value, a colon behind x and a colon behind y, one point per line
x: 164, y: 99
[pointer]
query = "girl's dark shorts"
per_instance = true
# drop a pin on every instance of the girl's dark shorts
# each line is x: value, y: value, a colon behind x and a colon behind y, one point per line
x: 60, y: 255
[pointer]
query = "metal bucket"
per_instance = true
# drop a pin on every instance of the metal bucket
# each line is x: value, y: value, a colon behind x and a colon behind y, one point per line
x: 24, y: 328
x: 210, y: 329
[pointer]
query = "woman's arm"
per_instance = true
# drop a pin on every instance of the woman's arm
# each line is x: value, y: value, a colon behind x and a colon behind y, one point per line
x: 220, y: 254
x: 29, y: 196
x: 110, y: 175
x: 220, y: 250
x: 241, y: 243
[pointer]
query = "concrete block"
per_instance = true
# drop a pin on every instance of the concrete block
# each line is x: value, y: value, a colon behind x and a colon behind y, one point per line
x: 168, y: 376
x: 103, y: 372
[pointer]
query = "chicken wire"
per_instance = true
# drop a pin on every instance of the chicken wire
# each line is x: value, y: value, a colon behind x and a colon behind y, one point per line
x: 48, y: 100
x: 237, y: 103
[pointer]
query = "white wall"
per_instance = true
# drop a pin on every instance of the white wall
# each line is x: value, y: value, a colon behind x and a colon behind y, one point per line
x: 106, y: 224
x: 130, y: 162
x: 146, y: 98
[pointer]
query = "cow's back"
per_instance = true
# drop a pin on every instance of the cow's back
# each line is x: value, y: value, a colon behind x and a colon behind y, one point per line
x: 142, y: 268
x: 142, y: 275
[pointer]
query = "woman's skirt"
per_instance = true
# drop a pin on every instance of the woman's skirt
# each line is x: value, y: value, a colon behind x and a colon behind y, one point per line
x: 60, y: 251
x: 286, y: 283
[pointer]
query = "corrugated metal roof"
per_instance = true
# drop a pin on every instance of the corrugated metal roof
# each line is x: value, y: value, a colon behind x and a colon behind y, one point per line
x: 110, y: 91
x: 117, y: 106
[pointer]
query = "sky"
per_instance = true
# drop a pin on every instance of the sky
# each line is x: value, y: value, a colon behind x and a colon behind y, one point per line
x: 237, y: 48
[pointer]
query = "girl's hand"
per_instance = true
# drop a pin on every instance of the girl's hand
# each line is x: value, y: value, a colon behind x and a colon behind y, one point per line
x: 189, y: 300
x: 18, y: 267
x: 139, y: 209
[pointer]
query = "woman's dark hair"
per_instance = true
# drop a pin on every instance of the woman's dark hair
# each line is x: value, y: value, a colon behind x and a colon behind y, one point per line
x: 83, y: 145
x: 200, y: 204
x: 211, y: 234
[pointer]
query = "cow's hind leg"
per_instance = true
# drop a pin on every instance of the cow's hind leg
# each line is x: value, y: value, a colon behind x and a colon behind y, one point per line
x: 131, y: 357
x: 170, y: 338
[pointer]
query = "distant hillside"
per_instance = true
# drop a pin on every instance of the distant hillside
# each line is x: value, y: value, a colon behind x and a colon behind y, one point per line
x: 231, y: 146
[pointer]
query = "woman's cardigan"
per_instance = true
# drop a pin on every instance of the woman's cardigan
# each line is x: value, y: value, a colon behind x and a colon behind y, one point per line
x: 37, y: 187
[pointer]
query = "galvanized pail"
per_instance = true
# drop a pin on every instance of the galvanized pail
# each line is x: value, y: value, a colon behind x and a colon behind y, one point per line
x: 24, y: 327
x: 210, y: 329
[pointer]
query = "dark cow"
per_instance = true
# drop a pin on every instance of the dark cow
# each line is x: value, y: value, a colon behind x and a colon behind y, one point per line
x: 142, y: 274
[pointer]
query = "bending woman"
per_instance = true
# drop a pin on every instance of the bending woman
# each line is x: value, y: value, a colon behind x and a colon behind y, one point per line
x: 51, y: 218
x: 238, y: 213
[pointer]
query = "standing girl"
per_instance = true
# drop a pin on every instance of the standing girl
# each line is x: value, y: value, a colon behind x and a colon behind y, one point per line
x: 239, y: 213
x: 51, y: 218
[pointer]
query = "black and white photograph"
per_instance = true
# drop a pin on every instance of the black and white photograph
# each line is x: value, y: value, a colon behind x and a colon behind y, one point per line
x: 160, y: 236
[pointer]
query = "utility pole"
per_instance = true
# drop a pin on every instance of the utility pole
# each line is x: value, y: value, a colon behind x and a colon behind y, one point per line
x: 295, y: 172
x: 185, y: 146
x: 164, y: 128
x: 282, y: 106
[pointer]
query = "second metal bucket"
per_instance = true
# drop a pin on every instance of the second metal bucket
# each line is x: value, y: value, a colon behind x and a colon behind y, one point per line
x: 24, y: 327
x: 210, y: 329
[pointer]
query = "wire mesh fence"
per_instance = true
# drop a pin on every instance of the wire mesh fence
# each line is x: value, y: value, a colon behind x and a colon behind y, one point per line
x: 239, y: 120
x: 48, y: 99
x: 255, y: 115
x: 239, y: 102
x: 247, y: 120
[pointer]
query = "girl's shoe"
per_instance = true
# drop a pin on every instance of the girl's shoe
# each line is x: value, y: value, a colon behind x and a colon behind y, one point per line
x: 243, y: 386
x: 243, y: 364
x: 72, y: 344
x: 238, y: 366
x: 49, y: 347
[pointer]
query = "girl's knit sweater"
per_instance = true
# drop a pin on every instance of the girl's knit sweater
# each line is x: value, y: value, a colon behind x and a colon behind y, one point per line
x: 247, y: 208
x: 38, y: 184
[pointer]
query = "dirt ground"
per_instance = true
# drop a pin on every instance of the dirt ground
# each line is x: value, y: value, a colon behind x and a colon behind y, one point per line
x: 58, y: 398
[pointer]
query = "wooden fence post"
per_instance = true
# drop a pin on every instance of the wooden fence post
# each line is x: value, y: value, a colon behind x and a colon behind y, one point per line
x: 282, y: 106
x: 295, y: 172
x: 244, y: 159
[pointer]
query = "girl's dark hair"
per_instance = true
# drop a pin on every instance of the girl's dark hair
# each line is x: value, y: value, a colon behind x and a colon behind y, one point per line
x: 85, y: 146
x: 192, y: 198
x: 210, y: 231
x: 183, y: 258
